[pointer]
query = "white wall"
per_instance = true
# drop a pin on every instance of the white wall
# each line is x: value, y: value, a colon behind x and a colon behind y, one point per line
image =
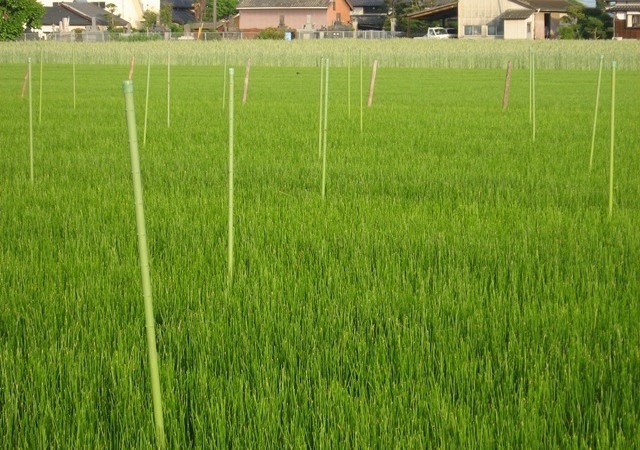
x: 481, y: 12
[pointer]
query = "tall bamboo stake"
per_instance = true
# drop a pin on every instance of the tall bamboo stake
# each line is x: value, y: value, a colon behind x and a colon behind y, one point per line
x: 40, y: 101
x: 324, y: 139
x: 168, y: 90
x: 349, y: 84
x: 230, y: 230
x: 613, y: 134
x: 224, y: 80
x: 146, y: 101
x: 31, y: 175
x: 595, y: 114
x: 533, y: 95
x: 143, y: 258
x: 530, y: 84
x: 246, y: 81
x: 321, y: 107
x: 361, y: 96
x: 73, y: 64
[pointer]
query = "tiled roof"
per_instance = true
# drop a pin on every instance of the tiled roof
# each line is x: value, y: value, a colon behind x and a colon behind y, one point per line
x: 545, y: 5
x: 283, y: 4
x: 365, y: 3
x: 516, y: 14
x: 623, y: 7
x: 90, y: 10
x: 53, y: 15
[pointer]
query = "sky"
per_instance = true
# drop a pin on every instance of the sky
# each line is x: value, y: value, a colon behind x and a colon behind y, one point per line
x: 589, y: 2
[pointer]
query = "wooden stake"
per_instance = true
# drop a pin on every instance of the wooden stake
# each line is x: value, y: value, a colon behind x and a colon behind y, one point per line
x: 507, y: 84
x: 361, y: 96
x: 349, y: 84
x: 595, y: 115
x: 40, y: 80
x: 131, y: 68
x: 373, y: 82
x: 533, y: 95
x: 24, y: 83
x: 73, y: 64
x: 246, y: 81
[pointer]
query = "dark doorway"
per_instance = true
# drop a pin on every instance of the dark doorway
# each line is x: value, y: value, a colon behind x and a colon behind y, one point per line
x: 547, y: 25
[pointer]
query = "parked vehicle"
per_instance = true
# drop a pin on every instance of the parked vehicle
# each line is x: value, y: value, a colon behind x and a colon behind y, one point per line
x: 439, y: 33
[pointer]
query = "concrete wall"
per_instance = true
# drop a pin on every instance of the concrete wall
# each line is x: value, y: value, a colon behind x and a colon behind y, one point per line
x: 517, y: 29
x: 293, y: 18
x: 481, y: 12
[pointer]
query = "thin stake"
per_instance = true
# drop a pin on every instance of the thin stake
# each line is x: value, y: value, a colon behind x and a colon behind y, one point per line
x: 230, y: 230
x: 613, y: 134
x: 530, y: 84
x: 372, y: 83
x: 146, y: 101
x: 349, y: 84
x: 595, y: 115
x: 73, y: 63
x: 361, y: 96
x: 324, y: 140
x: 507, y: 84
x: 533, y: 95
x: 246, y: 81
x: 131, y: 64
x: 224, y: 81
x: 40, y: 100
x: 321, y: 107
x: 168, y: 90
x: 143, y: 258
x: 24, y: 82
x: 30, y: 126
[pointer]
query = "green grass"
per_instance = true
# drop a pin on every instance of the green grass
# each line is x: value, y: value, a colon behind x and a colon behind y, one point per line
x: 459, y: 288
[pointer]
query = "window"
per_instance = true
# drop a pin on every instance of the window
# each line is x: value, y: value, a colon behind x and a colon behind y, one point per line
x: 496, y: 28
x: 633, y: 20
x: 472, y: 30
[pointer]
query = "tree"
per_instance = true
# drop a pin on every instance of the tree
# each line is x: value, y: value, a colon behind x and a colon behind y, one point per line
x: 149, y: 18
x: 111, y: 15
x: 16, y: 15
x: 586, y: 23
x: 224, y: 8
x: 166, y: 15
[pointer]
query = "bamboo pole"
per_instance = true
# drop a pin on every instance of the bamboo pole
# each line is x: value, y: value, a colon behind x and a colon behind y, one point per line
x: 613, y: 134
x: 246, y: 81
x: 324, y: 140
x: 146, y: 101
x: 349, y: 84
x: 40, y: 80
x: 224, y: 80
x: 533, y: 95
x: 530, y: 84
x: 230, y: 230
x: 595, y: 115
x: 31, y: 175
x: 321, y: 107
x: 143, y: 258
x: 372, y: 83
x: 507, y: 85
x: 361, y: 96
x: 73, y: 64
x: 168, y: 90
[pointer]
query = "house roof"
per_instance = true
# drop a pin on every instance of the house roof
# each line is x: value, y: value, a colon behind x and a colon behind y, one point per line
x: 79, y: 14
x: 624, y: 7
x: 365, y: 3
x: 179, y: 4
x: 439, y: 9
x: 545, y: 5
x: 283, y: 4
x: 516, y: 14
x: 53, y: 15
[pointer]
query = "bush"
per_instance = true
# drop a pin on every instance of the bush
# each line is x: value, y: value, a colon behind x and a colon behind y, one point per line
x: 271, y: 33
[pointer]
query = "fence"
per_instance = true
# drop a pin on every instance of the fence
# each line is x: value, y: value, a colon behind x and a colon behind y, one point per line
x: 106, y: 36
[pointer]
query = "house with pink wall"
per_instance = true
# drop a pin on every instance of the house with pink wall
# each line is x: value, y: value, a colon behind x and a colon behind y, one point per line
x: 293, y: 14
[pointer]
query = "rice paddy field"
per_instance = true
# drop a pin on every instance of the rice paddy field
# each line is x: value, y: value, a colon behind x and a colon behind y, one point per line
x: 460, y: 286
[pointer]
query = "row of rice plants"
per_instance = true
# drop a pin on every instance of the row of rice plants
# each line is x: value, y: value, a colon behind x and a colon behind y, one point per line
x: 460, y: 54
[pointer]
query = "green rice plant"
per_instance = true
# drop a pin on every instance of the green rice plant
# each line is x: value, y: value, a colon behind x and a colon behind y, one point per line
x: 146, y: 102
x: 321, y: 103
x: 230, y: 236
x: 324, y: 128
x: 613, y: 135
x: 31, y: 175
x: 40, y: 91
